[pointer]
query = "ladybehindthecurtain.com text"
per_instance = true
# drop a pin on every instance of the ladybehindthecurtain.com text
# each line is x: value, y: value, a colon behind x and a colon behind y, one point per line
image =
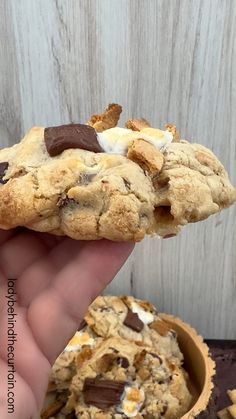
x: 11, y: 339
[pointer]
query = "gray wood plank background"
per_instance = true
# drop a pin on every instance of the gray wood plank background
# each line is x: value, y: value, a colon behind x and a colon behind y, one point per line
x: 166, y: 60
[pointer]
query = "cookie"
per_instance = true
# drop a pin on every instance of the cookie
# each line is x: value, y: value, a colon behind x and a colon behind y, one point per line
x: 98, y: 181
x: 79, y: 348
x: 126, y: 380
x: 133, y: 320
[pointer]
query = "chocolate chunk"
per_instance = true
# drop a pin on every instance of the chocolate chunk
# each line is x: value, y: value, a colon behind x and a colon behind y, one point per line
x: 3, y: 167
x: 123, y: 362
x: 103, y: 393
x: 58, y: 139
x: 133, y: 321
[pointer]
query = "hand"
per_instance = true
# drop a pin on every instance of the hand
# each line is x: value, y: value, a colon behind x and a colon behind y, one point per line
x: 57, y: 278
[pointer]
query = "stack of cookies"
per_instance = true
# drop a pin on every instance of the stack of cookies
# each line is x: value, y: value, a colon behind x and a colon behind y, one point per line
x: 124, y: 362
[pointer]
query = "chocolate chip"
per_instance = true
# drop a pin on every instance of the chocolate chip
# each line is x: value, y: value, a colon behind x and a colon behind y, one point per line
x: 58, y: 139
x: 164, y: 409
x: 3, y: 167
x: 114, y: 350
x: 123, y: 362
x: 102, y: 309
x: 82, y: 325
x: 173, y: 333
x: 52, y: 409
x: 156, y: 356
x: 133, y: 321
x: 127, y: 183
x: 103, y: 393
x: 63, y: 202
x: 161, y: 182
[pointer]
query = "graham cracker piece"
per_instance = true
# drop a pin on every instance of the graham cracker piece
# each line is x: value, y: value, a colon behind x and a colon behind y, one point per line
x: 104, y: 363
x: 232, y: 395
x: 223, y: 414
x: 137, y: 124
x: 176, y: 135
x: 232, y: 410
x: 83, y: 356
x: 107, y: 119
x: 146, y: 156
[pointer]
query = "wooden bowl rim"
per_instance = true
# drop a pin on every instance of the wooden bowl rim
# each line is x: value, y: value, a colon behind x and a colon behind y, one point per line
x: 203, y: 350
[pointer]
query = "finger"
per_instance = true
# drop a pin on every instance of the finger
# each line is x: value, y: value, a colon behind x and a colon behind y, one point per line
x: 63, y: 305
x: 50, y: 240
x: 20, y: 252
x: 39, y: 275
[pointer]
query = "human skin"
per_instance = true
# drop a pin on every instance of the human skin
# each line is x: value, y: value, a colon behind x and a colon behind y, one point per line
x: 57, y: 278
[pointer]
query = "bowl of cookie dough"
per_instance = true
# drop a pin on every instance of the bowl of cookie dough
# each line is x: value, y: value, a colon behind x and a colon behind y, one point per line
x: 128, y: 360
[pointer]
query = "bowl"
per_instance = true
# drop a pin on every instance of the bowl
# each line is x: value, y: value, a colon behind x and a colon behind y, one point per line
x: 198, y: 364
